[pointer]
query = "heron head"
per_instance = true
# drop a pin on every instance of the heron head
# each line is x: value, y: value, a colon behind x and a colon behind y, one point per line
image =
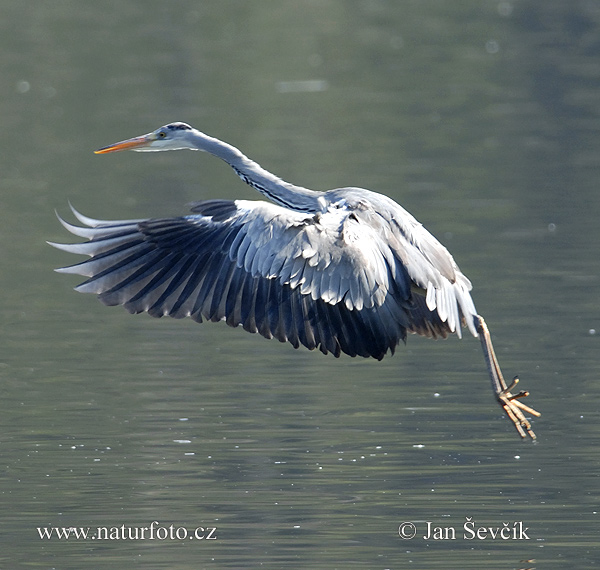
x: 174, y: 136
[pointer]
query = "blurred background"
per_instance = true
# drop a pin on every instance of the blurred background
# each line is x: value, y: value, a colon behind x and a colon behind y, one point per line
x: 481, y: 117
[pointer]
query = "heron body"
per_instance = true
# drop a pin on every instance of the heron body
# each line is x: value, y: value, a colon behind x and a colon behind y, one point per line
x: 347, y: 270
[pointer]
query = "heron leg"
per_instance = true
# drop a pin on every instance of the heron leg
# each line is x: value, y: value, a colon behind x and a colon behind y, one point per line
x: 510, y: 403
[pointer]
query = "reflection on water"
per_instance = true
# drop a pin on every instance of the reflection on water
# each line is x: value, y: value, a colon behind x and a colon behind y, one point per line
x: 481, y: 119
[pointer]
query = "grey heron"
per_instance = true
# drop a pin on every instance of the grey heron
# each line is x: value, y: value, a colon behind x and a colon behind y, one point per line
x: 346, y: 270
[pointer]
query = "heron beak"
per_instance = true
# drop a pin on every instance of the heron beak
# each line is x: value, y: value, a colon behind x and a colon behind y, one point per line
x: 129, y: 144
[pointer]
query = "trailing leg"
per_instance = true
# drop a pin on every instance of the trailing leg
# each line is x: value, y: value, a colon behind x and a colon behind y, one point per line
x: 510, y: 403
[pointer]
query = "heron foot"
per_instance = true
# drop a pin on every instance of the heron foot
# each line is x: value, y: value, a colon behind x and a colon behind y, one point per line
x: 514, y: 408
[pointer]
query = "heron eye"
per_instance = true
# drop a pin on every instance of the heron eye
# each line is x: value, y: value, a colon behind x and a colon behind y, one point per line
x: 162, y: 135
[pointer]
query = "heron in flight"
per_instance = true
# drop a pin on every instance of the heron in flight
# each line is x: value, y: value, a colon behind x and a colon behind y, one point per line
x: 347, y: 270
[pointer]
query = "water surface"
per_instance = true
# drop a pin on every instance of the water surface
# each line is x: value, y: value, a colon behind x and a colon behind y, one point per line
x: 481, y: 118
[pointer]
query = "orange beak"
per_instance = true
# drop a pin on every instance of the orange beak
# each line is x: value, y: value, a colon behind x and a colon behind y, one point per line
x: 136, y: 142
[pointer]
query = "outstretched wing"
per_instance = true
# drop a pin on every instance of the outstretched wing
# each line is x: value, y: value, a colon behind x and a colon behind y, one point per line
x: 280, y: 273
x: 346, y: 280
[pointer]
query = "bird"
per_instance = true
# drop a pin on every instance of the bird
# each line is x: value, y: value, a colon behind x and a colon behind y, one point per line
x: 346, y: 270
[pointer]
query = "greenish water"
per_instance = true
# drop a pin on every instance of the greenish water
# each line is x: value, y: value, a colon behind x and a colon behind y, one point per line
x: 481, y: 118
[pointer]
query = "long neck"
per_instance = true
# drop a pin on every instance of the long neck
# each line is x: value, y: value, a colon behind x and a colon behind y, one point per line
x: 277, y: 190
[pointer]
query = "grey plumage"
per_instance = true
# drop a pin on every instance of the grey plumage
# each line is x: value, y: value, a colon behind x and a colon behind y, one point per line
x: 339, y: 280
